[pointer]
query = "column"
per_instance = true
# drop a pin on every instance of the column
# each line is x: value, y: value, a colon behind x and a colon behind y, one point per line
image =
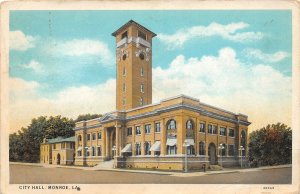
x: 206, y: 139
x: 133, y: 140
x: 152, y: 136
x: 142, y: 139
x: 107, y: 143
x: 163, y: 137
x: 227, y: 142
x: 196, y: 136
x: 104, y: 142
x: 117, y: 139
x: 181, y: 134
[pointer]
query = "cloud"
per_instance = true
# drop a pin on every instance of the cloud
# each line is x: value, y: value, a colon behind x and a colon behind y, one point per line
x: 259, y: 91
x: 26, y: 103
x: 265, y: 57
x: 82, y: 48
x: 227, y: 32
x: 20, y: 42
x: 34, y: 65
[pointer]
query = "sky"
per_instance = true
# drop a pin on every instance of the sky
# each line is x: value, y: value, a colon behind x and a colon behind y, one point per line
x: 63, y: 62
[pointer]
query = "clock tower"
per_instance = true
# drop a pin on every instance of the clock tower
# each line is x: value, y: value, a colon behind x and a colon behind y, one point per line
x: 134, y: 66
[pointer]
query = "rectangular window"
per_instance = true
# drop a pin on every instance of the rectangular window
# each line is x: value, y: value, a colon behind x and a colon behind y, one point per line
x: 147, y: 128
x: 93, y: 151
x: 94, y: 136
x: 124, y: 87
x: 231, y: 150
x: 124, y: 35
x: 172, y: 150
x: 129, y: 131
x: 78, y: 153
x: 157, y: 127
x: 142, y: 35
x: 231, y: 133
x: 202, y: 128
x: 138, y: 149
x: 124, y: 71
x: 142, y: 88
x: 88, y: 137
x: 141, y: 101
x: 99, y: 135
x: 62, y: 145
x: 223, y: 131
x: 147, y: 148
x: 88, y: 152
x: 99, y: 151
x: 215, y: 129
x: 138, y: 130
x: 210, y: 128
x: 142, y: 71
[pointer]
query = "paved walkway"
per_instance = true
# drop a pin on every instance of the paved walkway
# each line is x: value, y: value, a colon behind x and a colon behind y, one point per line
x: 177, y: 174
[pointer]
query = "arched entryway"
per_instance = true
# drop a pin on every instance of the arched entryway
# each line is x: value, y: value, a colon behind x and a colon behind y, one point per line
x: 58, y: 159
x: 212, y: 153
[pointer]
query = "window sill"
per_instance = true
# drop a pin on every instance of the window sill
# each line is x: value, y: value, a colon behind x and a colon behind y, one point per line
x: 157, y: 132
x: 201, y: 132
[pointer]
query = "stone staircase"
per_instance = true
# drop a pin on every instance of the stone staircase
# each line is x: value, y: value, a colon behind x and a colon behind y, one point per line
x: 105, y: 165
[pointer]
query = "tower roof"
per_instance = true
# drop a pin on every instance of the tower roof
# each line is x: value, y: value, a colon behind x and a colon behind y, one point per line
x: 134, y: 23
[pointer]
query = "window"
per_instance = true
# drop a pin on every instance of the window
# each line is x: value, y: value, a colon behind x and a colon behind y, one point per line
x: 63, y: 145
x: 190, y: 150
x: 202, y: 128
x: 137, y: 149
x: 202, y: 148
x: 142, y: 71
x: 141, y: 101
x: 138, y: 130
x: 124, y: 71
x: 98, y: 151
x: 88, y: 152
x: 231, y: 150
x: 54, y: 146
x: 157, y: 127
x: 124, y: 35
x: 210, y: 128
x: 78, y: 153
x: 142, y: 35
x: 172, y: 124
x: 215, y: 129
x: 93, y: 151
x: 88, y: 137
x: 222, y: 149
x: 223, y: 131
x: 142, y: 88
x: 231, y: 133
x: 124, y: 87
x: 147, y: 148
x: 99, y: 135
x: 189, y: 124
x: 94, y: 136
x: 72, y: 145
x: 129, y: 131
x: 147, y: 128
x: 172, y: 150
x: 79, y: 137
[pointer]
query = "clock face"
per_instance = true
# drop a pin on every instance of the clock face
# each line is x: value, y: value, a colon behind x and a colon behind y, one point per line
x: 142, y: 56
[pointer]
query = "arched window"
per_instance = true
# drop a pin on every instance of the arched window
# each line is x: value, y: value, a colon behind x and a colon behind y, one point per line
x: 79, y: 137
x: 189, y: 124
x: 201, y: 148
x: 171, y: 124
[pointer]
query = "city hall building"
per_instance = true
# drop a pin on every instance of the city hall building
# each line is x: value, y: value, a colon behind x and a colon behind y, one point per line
x: 139, y: 134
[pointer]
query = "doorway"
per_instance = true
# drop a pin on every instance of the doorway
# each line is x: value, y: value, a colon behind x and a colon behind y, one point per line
x: 212, y: 153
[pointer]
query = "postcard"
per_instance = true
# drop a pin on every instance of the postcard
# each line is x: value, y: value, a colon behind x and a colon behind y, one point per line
x: 150, y: 97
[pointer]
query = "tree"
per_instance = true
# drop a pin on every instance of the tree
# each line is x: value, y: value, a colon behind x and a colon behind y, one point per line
x: 270, y: 145
x: 25, y: 146
x: 87, y: 117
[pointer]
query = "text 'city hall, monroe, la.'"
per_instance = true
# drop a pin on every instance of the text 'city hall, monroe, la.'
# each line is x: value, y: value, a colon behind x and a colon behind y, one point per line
x: 139, y: 134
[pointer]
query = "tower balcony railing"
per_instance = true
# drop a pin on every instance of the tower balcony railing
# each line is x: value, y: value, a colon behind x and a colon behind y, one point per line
x: 137, y: 40
x: 122, y: 42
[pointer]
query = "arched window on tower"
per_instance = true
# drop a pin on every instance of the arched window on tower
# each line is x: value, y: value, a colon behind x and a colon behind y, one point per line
x: 171, y: 124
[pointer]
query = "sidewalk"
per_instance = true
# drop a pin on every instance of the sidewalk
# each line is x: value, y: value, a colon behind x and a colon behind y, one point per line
x: 178, y: 174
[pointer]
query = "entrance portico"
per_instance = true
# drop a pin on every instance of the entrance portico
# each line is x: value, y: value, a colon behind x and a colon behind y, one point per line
x: 113, y: 141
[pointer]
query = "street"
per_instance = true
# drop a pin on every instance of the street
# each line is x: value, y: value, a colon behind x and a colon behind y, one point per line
x: 22, y: 174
